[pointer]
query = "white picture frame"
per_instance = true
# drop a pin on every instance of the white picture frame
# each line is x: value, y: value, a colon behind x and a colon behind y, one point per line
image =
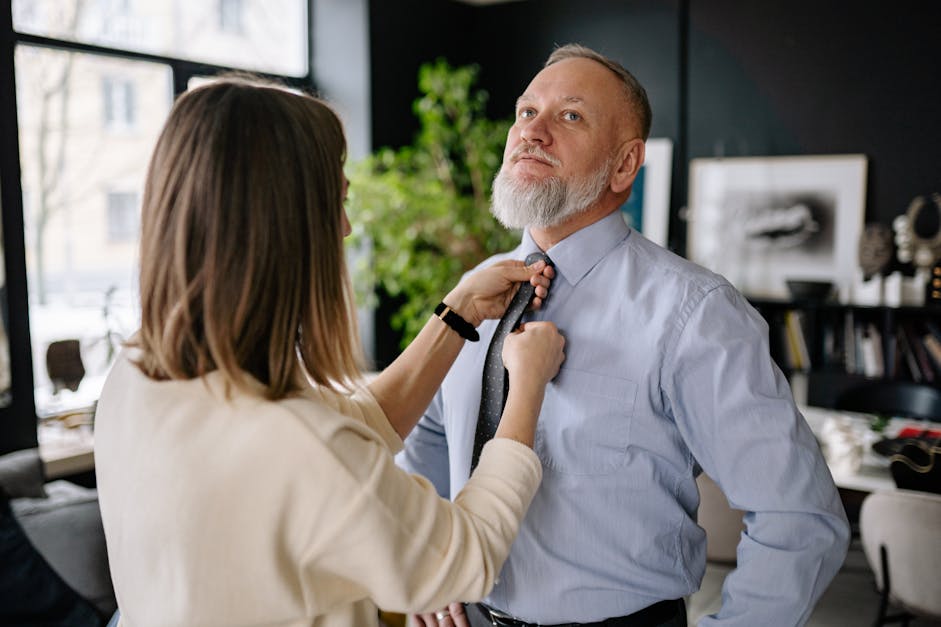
x: 648, y: 207
x: 761, y: 221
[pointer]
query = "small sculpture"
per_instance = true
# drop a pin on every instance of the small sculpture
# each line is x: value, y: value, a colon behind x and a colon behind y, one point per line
x: 875, y: 249
x: 918, y: 232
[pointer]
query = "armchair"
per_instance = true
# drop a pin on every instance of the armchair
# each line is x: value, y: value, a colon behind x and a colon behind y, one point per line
x: 901, y: 536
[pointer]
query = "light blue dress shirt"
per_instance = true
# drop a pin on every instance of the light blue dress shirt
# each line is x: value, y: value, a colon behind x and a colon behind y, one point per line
x: 667, y: 372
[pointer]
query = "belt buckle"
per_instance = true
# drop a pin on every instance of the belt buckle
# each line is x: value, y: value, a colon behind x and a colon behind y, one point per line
x: 499, y: 619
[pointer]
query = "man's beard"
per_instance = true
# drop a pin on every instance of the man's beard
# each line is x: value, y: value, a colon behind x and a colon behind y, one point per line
x: 547, y: 202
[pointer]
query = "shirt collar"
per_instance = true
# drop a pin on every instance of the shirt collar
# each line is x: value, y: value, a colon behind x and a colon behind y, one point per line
x: 578, y: 253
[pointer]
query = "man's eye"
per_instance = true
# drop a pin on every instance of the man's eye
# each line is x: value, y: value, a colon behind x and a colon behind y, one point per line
x: 527, y: 113
x: 571, y: 116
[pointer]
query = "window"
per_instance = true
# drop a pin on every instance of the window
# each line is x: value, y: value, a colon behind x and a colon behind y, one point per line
x: 118, y: 96
x: 123, y: 216
x: 230, y: 16
x: 258, y: 35
x: 118, y: 24
x: 91, y: 100
x: 81, y: 231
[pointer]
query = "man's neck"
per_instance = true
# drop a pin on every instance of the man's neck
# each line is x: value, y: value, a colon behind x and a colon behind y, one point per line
x: 547, y: 237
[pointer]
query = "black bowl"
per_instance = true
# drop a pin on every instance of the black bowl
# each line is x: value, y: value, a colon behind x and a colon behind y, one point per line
x: 809, y: 290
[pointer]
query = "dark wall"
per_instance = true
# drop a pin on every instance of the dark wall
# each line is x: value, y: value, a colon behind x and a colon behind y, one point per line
x: 514, y: 39
x: 403, y: 35
x: 811, y: 77
x: 510, y: 43
x: 725, y: 77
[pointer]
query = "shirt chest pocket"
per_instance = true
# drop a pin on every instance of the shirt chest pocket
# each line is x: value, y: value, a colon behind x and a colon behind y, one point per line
x: 585, y: 423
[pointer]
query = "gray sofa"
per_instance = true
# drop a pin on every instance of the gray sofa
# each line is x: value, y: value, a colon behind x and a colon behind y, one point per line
x: 62, y: 522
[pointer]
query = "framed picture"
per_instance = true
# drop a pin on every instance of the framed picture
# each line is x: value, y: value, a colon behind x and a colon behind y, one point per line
x: 762, y: 221
x: 648, y: 207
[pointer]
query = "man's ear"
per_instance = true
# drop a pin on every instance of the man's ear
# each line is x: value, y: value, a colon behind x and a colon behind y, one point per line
x: 630, y: 158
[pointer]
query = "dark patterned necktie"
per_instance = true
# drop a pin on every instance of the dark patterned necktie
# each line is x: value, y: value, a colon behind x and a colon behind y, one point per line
x: 495, y: 380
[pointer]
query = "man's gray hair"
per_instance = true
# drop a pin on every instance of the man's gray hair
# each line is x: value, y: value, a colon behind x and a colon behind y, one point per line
x: 635, y: 92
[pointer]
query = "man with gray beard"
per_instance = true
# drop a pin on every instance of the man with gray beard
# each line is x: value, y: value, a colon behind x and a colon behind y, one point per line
x: 667, y: 374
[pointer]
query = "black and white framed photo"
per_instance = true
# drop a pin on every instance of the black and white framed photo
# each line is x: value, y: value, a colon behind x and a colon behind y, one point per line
x: 761, y: 221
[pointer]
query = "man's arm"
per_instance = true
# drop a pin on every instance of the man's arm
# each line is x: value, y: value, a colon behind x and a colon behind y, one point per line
x: 426, y: 449
x: 736, y: 413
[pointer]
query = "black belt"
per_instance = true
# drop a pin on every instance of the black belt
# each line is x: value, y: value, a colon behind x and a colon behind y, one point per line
x: 650, y: 616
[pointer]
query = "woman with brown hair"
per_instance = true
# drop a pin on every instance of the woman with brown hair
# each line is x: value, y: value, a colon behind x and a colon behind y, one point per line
x: 245, y: 471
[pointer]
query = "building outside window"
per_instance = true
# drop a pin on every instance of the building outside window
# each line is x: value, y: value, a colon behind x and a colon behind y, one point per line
x: 231, y: 13
x: 118, y: 23
x: 123, y: 216
x: 88, y: 122
x: 118, y: 97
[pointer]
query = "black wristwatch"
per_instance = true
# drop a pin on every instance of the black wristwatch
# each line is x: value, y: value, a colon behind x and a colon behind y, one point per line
x: 464, y: 328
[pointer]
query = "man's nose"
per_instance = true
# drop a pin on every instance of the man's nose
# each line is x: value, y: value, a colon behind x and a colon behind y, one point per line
x: 536, y: 130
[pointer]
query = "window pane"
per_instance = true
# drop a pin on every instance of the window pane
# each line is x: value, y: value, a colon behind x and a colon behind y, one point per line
x: 262, y: 35
x: 87, y: 127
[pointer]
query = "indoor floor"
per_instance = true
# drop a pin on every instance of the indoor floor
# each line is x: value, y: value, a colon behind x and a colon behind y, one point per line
x: 850, y: 601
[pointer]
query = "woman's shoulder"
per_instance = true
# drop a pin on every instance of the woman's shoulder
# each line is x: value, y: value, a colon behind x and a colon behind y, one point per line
x: 328, y: 412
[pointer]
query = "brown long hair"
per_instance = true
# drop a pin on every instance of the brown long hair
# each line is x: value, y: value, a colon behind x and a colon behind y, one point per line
x: 242, y: 264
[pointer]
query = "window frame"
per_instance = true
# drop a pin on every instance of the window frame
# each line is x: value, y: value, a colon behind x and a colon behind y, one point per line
x: 18, y: 420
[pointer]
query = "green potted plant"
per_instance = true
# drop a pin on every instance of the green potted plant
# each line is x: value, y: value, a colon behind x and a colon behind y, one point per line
x: 422, y: 211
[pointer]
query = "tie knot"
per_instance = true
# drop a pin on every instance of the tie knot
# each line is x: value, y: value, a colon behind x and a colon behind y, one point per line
x: 532, y: 258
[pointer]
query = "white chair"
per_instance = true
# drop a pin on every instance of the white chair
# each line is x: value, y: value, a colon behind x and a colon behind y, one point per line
x: 901, y: 536
x: 723, y: 525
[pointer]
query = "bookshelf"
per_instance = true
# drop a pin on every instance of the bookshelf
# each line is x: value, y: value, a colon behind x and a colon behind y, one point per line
x: 838, y: 346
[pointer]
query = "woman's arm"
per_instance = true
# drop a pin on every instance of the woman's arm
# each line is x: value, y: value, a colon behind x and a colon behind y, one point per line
x: 405, y: 388
x: 391, y: 534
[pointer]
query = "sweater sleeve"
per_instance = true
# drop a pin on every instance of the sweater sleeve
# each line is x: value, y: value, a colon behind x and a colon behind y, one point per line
x: 397, y: 542
x: 363, y: 407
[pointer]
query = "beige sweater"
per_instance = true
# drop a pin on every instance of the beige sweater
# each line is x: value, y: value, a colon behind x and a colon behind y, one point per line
x: 251, y: 512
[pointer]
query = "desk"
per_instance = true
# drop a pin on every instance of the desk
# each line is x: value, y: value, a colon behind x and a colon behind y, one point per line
x: 873, y: 473
x: 66, y: 451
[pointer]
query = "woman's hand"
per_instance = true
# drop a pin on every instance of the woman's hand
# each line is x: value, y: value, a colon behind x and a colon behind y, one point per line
x: 486, y: 293
x: 533, y: 354
x: 452, y: 616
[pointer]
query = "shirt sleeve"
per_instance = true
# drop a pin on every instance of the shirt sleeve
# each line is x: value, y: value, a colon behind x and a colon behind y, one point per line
x: 426, y: 449
x: 394, y: 540
x: 736, y: 413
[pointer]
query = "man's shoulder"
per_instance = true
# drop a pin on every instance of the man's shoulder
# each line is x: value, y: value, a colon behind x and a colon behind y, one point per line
x: 666, y: 267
